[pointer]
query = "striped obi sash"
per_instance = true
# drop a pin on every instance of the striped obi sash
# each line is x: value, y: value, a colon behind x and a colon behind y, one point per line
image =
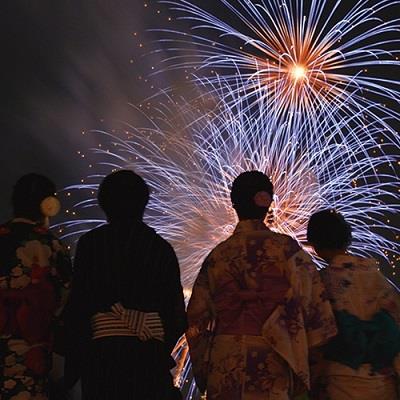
x: 126, y: 322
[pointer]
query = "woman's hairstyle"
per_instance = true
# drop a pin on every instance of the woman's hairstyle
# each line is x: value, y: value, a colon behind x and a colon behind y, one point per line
x: 328, y: 229
x: 244, y: 188
x: 28, y: 193
x: 123, y: 194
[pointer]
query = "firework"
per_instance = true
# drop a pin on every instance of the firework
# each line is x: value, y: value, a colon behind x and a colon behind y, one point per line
x: 190, y: 154
x: 291, y: 98
x: 303, y: 58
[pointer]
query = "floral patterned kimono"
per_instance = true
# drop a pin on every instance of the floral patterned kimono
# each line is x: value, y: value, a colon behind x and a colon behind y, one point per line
x: 360, y: 363
x: 257, y: 307
x: 34, y: 276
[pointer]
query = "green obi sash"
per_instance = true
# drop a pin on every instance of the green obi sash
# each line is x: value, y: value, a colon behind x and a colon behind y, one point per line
x: 374, y: 342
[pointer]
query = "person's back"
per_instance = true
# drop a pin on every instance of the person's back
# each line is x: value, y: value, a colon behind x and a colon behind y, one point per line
x: 250, y: 277
x: 126, y: 309
x: 133, y: 265
x: 355, y: 284
x: 261, y: 297
x: 360, y: 361
x: 35, y: 272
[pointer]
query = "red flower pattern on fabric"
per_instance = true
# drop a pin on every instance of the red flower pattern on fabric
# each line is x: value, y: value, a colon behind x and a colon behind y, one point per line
x: 41, y: 229
x: 4, y: 230
x: 35, y: 360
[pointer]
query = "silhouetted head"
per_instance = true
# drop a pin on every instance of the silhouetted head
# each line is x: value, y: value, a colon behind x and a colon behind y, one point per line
x: 251, y: 195
x: 123, y: 195
x: 329, y: 233
x: 28, y: 194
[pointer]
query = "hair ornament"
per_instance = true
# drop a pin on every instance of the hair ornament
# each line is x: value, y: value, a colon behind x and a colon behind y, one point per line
x: 50, y: 206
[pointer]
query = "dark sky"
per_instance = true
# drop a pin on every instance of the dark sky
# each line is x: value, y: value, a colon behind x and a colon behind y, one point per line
x: 67, y: 66
x: 70, y: 66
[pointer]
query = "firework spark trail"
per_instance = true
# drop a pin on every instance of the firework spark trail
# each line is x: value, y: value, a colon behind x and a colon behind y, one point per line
x: 189, y: 153
x: 308, y: 60
x: 190, y: 156
x: 287, y: 105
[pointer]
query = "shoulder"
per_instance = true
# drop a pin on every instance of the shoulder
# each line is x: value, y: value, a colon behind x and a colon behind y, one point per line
x: 354, y: 263
x: 285, y: 240
x: 294, y: 256
x: 5, y: 229
x: 94, y: 234
x: 288, y: 245
x: 222, y: 249
x: 223, y: 245
x: 160, y: 245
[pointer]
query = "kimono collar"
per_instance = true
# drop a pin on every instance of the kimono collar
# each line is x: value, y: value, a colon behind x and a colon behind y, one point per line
x: 23, y: 221
x: 347, y: 260
x: 250, y: 225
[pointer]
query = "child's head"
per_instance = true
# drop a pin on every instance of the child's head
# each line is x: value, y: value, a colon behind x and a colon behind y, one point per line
x: 329, y: 233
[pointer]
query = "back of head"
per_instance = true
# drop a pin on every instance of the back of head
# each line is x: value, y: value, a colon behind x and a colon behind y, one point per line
x: 245, y: 189
x: 123, y: 195
x: 28, y: 194
x: 329, y: 230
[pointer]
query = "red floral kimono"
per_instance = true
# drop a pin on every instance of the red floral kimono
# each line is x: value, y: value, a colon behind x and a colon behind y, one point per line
x: 35, y: 273
x: 257, y: 307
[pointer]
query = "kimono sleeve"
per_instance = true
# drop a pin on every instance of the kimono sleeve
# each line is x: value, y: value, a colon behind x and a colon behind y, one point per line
x: 389, y: 296
x: 77, y: 321
x: 61, y: 272
x: 305, y: 319
x: 200, y: 319
x: 319, y: 320
x: 389, y: 300
x: 174, y: 317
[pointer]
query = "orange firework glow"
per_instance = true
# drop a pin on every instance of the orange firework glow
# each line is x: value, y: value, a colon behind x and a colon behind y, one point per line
x: 302, y: 58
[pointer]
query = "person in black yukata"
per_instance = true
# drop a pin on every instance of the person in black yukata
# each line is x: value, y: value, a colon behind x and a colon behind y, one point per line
x: 126, y: 308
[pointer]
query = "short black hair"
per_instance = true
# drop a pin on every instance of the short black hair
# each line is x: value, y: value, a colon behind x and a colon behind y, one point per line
x: 327, y: 229
x: 28, y: 193
x: 123, y: 194
x: 244, y: 188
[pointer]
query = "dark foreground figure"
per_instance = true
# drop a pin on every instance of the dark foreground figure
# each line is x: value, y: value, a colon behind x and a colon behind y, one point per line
x: 126, y: 309
x: 35, y: 272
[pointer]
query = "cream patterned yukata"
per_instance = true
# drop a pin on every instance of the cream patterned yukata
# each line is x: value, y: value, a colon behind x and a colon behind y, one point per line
x: 364, y: 297
x: 262, y: 298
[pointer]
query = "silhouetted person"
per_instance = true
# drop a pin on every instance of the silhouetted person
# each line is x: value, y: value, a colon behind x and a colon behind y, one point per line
x: 257, y: 307
x: 360, y: 363
x: 35, y: 272
x: 126, y: 309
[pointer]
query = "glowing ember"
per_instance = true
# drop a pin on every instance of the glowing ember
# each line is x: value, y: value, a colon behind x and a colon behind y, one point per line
x: 298, y: 72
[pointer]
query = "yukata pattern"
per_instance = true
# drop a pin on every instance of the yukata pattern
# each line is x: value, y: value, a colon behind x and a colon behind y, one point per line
x: 356, y: 285
x: 35, y: 272
x: 257, y: 307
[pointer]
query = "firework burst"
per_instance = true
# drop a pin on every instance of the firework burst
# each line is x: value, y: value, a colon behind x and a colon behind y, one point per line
x: 293, y: 100
x: 304, y: 58
x: 190, y: 154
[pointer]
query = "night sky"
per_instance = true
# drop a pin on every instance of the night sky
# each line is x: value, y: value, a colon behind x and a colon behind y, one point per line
x: 67, y: 67
x: 73, y: 66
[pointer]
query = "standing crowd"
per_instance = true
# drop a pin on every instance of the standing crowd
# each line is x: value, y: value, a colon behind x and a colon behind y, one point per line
x: 262, y: 322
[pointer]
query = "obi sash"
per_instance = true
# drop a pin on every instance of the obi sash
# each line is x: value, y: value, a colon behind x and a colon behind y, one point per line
x: 127, y: 322
x: 375, y: 342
